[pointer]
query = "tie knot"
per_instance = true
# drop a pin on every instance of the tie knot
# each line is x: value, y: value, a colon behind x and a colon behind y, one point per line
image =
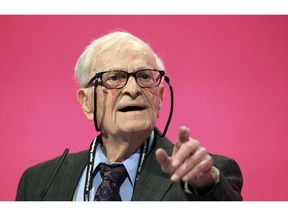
x: 113, y: 176
x: 113, y: 172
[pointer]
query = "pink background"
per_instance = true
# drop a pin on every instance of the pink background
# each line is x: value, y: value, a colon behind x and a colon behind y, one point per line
x: 229, y: 73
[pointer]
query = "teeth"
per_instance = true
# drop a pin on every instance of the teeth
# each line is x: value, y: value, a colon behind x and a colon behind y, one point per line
x: 131, y: 108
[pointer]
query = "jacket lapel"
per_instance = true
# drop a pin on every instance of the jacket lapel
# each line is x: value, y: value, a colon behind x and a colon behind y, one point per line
x: 153, y: 184
x: 66, y: 181
x: 148, y: 189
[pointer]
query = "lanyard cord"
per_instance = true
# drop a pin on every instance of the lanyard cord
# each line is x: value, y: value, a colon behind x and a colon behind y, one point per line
x: 90, y: 165
x: 89, y: 172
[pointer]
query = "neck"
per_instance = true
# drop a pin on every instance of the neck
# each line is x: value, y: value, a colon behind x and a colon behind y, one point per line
x: 119, y: 148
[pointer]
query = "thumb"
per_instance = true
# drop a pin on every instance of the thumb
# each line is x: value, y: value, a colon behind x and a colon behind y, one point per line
x: 163, y: 159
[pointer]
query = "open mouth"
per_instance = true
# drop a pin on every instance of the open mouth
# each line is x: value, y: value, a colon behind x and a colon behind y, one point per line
x: 131, y: 108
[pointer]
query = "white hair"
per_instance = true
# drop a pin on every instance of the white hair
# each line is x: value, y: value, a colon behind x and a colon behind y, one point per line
x: 115, y: 39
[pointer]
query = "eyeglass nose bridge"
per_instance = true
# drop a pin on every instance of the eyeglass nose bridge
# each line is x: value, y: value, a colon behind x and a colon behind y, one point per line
x: 133, y: 74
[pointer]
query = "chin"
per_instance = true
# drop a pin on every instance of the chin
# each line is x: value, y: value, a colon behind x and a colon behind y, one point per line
x: 136, y: 128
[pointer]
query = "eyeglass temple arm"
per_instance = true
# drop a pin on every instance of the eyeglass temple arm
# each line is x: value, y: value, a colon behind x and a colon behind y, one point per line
x: 167, y: 80
x: 95, y: 106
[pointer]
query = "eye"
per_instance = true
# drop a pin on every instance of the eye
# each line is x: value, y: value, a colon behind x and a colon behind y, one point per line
x: 114, y: 77
x: 144, y: 76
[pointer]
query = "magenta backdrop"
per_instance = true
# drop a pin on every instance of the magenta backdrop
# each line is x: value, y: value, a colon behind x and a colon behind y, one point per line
x: 229, y: 73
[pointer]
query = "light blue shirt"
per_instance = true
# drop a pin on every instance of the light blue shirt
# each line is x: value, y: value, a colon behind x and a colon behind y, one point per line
x: 126, y: 190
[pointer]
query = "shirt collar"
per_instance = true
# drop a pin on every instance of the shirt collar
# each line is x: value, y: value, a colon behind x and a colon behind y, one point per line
x: 131, y: 163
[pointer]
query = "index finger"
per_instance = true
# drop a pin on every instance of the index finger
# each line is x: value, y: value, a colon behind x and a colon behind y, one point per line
x: 183, y: 136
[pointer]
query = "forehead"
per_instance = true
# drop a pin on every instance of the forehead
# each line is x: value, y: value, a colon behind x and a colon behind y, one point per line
x: 129, y: 56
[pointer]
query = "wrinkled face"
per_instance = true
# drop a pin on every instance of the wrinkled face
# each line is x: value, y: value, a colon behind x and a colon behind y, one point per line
x: 132, y: 108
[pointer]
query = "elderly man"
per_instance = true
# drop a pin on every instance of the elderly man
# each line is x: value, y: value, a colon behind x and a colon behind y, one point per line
x: 122, y: 91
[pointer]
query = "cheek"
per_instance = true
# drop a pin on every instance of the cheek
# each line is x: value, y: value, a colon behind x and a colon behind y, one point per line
x: 155, y: 102
x: 106, y: 101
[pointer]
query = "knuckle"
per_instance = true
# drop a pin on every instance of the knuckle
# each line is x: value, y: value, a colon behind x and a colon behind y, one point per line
x: 190, y: 145
x: 211, y: 161
x: 203, y: 151
x: 195, y: 142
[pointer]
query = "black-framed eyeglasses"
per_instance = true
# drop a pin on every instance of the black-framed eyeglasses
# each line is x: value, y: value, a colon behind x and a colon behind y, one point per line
x: 117, y: 79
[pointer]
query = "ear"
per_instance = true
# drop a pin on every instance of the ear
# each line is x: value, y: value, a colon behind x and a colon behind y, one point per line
x: 86, y: 101
x: 161, y: 92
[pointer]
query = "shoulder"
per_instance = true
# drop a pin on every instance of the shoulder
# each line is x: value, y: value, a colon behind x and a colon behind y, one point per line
x: 162, y: 142
x: 222, y: 161
x: 65, y: 176
x: 72, y: 159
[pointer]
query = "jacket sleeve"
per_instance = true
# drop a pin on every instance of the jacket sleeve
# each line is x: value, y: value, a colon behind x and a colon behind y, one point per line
x: 230, y: 182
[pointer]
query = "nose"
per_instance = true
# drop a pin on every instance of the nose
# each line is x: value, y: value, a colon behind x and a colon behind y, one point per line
x: 132, y: 88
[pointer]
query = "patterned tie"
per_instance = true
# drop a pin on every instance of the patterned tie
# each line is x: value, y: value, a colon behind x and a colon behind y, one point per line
x: 112, y: 178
